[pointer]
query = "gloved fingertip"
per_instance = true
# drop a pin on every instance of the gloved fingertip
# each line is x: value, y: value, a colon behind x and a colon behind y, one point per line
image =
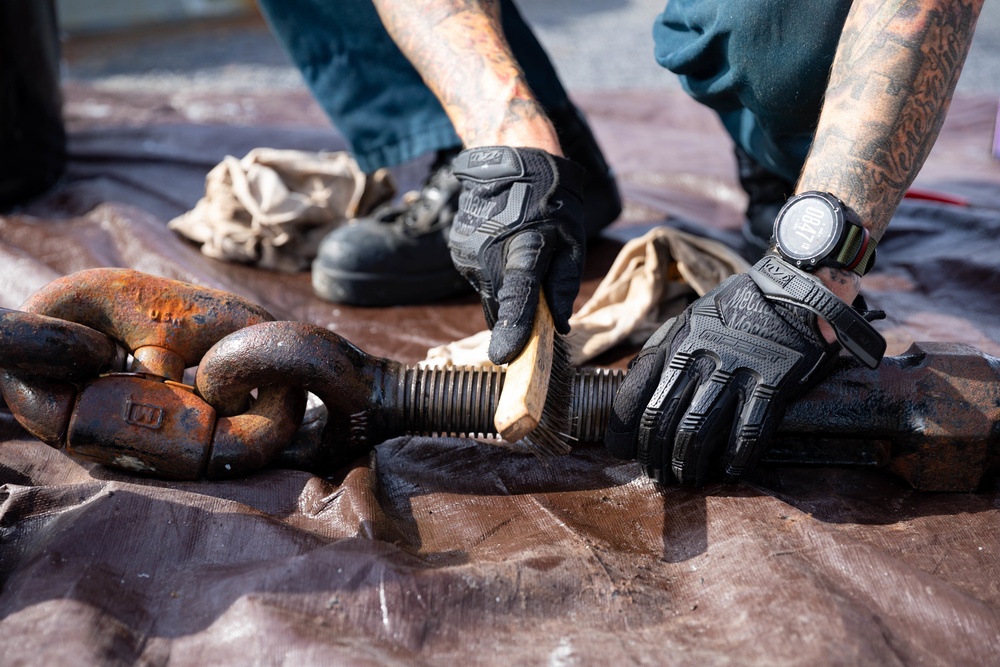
x: 685, y: 475
x: 507, y: 342
x: 657, y: 475
x: 561, y: 324
x: 560, y: 315
x: 560, y: 294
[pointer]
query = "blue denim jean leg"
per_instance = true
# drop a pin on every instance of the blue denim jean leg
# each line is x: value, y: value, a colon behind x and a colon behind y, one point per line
x: 370, y: 91
x: 762, y: 65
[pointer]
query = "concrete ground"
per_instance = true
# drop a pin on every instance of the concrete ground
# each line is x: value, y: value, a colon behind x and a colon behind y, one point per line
x: 595, y: 45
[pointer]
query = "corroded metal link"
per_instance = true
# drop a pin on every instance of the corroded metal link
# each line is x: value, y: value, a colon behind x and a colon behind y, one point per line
x: 43, y: 346
x: 931, y: 415
x: 166, y: 324
x: 40, y: 358
x: 164, y: 429
x: 356, y: 388
x: 146, y: 420
x: 249, y: 441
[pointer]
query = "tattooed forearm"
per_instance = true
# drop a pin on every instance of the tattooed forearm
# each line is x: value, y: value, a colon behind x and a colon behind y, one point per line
x: 459, y: 49
x: 889, y: 90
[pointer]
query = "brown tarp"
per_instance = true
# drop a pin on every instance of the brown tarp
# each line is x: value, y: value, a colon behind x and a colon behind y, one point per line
x: 445, y: 551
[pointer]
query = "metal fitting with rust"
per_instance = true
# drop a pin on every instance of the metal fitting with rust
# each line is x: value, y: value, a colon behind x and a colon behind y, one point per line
x: 62, y: 376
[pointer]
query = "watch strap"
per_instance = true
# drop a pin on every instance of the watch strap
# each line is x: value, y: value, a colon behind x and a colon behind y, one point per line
x: 857, y: 249
x: 782, y: 282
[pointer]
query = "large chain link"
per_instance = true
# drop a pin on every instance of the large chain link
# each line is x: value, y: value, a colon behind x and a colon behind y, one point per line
x: 64, y: 381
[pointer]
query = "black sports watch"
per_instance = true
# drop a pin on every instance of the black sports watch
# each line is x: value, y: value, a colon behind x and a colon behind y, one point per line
x: 815, y: 229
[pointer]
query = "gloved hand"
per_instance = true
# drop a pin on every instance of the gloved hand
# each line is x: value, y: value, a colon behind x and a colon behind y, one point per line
x: 519, y: 227
x: 709, y: 388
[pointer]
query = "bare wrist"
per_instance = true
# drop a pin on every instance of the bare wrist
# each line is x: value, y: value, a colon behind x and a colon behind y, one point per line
x: 523, y: 125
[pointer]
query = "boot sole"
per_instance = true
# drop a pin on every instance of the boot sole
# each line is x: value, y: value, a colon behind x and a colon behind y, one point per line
x: 379, y: 290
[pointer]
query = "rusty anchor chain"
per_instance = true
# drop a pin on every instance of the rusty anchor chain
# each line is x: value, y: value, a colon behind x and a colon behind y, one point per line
x: 63, y: 379
x: 931, y: 415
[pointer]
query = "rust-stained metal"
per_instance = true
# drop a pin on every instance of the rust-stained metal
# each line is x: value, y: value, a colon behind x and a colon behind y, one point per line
x: 50, y: 347
x: 360, y: 391
x: 145, y: 420
x: 164, y: 429
x: 41, y: 405
x: 931, y: 415
x: 40, y: 358
x: 176, y: 319
x: 150, y: 427
x: 248, y: 441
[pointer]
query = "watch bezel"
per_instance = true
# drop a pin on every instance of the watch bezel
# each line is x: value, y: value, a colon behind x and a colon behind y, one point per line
x: 813, y: 259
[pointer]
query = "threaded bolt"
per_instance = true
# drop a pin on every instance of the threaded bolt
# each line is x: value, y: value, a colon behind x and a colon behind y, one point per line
x: 461, y: 401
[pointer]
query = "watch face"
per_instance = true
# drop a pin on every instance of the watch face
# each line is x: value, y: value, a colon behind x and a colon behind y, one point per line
x: 808, y: 228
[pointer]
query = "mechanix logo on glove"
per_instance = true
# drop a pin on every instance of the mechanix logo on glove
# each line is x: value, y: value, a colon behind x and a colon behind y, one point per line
x: 485, y: 157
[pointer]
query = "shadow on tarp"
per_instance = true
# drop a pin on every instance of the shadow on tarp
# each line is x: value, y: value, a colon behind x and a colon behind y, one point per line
x: 421, y: 522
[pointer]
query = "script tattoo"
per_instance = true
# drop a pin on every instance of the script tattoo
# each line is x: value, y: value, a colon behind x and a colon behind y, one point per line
x: 458, y: 48
x: 890, y: 86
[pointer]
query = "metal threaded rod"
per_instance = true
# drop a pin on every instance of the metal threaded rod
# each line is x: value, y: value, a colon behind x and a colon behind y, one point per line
x: 462, y: 400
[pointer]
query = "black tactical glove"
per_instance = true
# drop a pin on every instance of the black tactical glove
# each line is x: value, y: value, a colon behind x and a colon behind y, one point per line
x: 709, y: 388
x: 519, y: 228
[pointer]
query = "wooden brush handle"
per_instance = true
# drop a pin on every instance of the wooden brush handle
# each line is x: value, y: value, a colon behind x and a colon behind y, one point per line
x: 526, y: 385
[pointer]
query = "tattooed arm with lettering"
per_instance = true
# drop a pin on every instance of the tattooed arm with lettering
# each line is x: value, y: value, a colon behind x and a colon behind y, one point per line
x: 707, y: 391
x: 890, y: 87
x: 519, y: 228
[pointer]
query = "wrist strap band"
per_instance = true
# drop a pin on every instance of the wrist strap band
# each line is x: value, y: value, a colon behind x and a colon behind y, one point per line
x: 780, y: 281
x: 858, y: 252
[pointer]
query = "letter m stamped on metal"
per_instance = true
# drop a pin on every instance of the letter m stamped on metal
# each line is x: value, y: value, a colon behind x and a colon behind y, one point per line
x: 143, y: 414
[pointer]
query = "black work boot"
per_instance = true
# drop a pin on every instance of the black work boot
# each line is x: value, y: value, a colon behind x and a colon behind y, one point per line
x: 399, y: 255
x: 768, y: 193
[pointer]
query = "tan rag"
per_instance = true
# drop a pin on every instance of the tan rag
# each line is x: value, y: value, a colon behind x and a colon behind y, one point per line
x: 653, y: 278
x: 273, y: 207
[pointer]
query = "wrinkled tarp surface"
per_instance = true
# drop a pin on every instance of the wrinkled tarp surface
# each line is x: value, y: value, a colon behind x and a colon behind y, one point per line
x: 446, y: 551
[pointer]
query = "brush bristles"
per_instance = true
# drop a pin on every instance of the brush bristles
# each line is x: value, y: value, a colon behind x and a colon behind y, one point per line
x: 552, y: 435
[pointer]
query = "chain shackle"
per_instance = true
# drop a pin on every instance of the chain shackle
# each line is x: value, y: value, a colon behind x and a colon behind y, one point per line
x: 145, y: 420
x: 354, y: 386
x: 164, y: 429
